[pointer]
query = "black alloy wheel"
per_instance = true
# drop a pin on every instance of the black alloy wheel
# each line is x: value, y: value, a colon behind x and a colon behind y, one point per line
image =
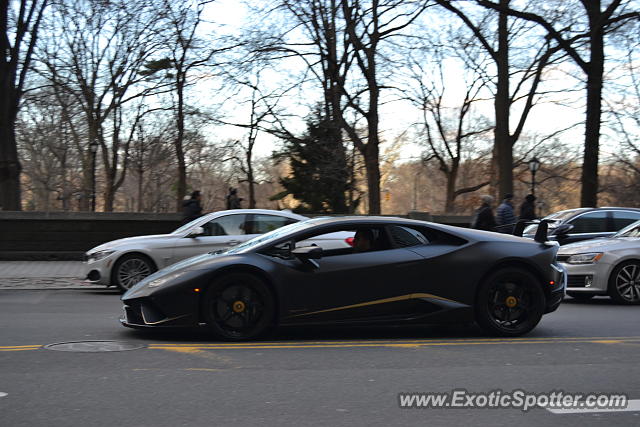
x: 130, y: 269
x: 238, y: 306
x: 624, y: 283
x: 510, y: 302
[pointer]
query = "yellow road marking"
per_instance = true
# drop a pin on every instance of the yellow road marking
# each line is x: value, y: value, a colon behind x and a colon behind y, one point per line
x: 255, y: 346
x: 198, y: 348
x: 398, y: 341
x: 19, y: 346
x: 391, y: 341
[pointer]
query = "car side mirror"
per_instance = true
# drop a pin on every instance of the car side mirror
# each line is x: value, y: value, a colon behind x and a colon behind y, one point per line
x: 562, y: 229
x: 308, y: 252
x: 195, y: 232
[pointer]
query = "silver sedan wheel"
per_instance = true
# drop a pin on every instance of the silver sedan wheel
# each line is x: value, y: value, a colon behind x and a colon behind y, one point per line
x: 627, y: 282
x: 131, y: 271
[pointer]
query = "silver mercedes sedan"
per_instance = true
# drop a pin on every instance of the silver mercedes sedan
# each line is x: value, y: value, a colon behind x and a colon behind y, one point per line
x: 606, y: 266
x: 125, y: 262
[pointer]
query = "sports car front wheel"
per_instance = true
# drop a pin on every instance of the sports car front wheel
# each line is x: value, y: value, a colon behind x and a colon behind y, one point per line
x: 238, y: 306
x: 510, y: 302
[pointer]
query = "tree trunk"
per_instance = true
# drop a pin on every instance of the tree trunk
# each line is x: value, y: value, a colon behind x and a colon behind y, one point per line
x: 10, y: 167
x: 452, y: 178
x: 504, y: 148
x: 372, y: 166
x: 250, y: 181
x: 589, y: 193
x: 140, y: 180
x: 181, y: 190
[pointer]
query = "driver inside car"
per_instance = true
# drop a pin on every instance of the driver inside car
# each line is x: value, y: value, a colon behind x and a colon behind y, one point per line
x: 363, y: 241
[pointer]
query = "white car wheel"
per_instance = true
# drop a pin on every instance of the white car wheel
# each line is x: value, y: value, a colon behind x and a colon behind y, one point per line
x: 130, y: 269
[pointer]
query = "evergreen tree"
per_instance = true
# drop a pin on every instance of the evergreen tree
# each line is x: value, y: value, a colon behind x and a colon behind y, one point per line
x: 320, y: 177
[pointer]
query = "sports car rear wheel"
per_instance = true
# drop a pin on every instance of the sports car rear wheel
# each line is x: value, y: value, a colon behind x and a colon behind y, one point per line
x: 624, y: 283
x: 238, y: 307
x: 509, y: 303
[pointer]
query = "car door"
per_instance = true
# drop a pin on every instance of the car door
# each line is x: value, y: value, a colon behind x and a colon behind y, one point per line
x: 588, y: 226
x: 346, y: 285
x: 219, y: 233
x: 356, y: 286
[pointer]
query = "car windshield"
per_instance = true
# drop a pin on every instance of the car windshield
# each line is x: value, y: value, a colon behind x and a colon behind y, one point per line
x: 632, y: 230
x: 267, y: 237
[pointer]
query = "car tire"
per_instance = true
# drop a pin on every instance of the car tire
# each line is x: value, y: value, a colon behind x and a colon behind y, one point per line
x: 238, y: 307
x: 624, y: 283
x: 510, y: 302
x: 580, y: 296
x: 130, y: 269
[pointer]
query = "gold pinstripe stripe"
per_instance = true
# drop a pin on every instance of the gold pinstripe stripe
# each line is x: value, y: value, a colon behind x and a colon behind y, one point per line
x: 378, y: 301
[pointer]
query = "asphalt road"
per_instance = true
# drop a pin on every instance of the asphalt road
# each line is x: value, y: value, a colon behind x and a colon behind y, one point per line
x: 299, y: 376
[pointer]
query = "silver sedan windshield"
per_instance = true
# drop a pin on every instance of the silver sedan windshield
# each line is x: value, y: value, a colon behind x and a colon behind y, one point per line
x: 272, y: 235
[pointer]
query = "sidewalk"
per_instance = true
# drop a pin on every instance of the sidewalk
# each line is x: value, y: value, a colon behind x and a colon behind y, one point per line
x: 43, y: 275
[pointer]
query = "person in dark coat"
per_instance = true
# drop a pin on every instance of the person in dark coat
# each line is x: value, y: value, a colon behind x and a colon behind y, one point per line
x: 483, y: 218
x: 191, y: 208
x: 233, y: 201
x: 505, y: 216
x: 528, y: 208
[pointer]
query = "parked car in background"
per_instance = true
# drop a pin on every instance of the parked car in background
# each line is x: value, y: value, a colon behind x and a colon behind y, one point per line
x: 574, y: 225
x: 125, y: 262
x: 608, y: 266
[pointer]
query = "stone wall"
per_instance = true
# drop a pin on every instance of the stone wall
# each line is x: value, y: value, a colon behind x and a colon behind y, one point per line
x: 68, y: 235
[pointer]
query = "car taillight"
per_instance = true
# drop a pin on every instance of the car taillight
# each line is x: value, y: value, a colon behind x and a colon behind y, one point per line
x: 349, y: 241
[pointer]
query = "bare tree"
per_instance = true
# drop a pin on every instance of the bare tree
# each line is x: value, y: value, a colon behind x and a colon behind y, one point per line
x: 18, y: 38
x: 599, y: 22
x: 97, y: 59
x: 527, y: 78
x: 449, y: 128
x: 368, y: 25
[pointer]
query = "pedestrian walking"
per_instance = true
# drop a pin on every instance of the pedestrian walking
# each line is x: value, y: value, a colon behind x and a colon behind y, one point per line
x: 505, y: 216
x: 483, y: 218
x: 528, y: 208
x: 233, y: 201
x: 191, y: 208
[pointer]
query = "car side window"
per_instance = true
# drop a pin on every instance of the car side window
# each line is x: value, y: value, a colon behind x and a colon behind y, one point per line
x: 592, y: 222
x: 623, y: 218
x: 261, y: 223
x: 228, y: 225
x: 406, y: 237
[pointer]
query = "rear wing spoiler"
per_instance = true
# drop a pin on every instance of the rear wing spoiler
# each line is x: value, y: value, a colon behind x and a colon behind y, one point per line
x: 542, y: 233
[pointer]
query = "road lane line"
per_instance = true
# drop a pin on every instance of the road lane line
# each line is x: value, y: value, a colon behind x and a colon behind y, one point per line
x: 419, y: 341
x: 3, y: 394
x: 195, y: 347
x: 20, y: 348
x: 632, y: 406
x: 355, y: 345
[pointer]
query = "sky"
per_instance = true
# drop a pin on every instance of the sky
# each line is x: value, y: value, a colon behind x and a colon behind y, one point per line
x: 558, y: 112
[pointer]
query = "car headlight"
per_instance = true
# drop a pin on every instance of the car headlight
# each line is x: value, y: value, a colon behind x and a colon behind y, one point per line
x: 97, y: 256
x: 589, y: 258
x: 162, y: 280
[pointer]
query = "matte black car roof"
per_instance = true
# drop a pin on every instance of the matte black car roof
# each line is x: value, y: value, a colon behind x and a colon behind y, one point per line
x: 465, y: 233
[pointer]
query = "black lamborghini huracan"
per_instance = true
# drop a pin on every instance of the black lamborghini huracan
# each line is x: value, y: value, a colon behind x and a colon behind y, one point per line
x: 395, y: 271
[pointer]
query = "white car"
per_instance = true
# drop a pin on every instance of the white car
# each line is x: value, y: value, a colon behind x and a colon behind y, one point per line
x: 605, y: 266
x: 125, y: 262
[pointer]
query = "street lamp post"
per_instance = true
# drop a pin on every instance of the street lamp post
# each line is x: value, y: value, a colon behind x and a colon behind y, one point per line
x: 94, y: 150
x: 534, y: 165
